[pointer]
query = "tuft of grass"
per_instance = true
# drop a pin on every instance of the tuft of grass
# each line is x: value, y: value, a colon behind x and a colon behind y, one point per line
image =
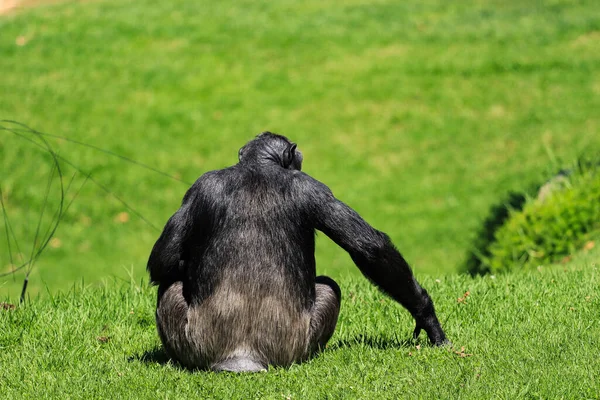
x: 523, y: 335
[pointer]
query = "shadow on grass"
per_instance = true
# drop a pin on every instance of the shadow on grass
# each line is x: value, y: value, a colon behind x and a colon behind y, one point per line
x: 154, y: 356
x: 375, y: 342
x: 476, y: 262
x: 159, y: 356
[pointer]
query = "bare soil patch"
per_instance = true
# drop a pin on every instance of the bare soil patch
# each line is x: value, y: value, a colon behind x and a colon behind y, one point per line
x: 11, y: 6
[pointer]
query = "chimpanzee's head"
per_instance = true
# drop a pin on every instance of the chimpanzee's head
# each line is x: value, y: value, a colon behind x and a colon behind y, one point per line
x: 271, y: 147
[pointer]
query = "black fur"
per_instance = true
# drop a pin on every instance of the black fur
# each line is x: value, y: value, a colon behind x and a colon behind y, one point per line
x: 236, y: 269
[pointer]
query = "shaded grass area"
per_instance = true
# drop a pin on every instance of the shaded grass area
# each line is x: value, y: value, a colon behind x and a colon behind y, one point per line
x: 524, y: 335
x: 419, y: 115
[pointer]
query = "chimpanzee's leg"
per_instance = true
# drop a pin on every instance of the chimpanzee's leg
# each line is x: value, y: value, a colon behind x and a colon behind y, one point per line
x: 171, y: 320
x: 324, y: 313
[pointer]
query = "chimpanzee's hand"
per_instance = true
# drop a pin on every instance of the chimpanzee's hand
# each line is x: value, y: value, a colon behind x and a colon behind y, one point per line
x: 431, y: 325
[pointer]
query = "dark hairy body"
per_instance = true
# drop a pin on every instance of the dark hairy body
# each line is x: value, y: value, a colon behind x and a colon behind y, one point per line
x: 235, y: 266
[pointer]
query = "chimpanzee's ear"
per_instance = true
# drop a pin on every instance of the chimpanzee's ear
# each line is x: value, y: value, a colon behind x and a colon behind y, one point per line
x: 288, y: 155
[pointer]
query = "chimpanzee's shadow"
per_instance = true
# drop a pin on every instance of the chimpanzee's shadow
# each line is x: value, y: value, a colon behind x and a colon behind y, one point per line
x: 159, y: 356
x: 375, y: 342
x: 154, y: 356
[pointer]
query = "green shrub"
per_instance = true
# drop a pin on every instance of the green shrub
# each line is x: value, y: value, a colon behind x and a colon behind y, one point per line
x: 540, y: 226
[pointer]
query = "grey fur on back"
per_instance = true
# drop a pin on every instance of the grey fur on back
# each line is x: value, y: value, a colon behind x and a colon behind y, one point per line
x: 231, y: 330
x: 239, y: 364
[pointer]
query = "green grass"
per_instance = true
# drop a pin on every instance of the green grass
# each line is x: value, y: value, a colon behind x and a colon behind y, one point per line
x: 525, y: 335
x: 420, y: 115
x: 417, y: 114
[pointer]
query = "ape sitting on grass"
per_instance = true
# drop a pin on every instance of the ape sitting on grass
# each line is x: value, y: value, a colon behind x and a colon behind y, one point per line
x: 235, y: 265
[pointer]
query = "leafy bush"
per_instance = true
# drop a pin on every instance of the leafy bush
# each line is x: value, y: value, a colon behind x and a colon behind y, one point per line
x: 540, y: 226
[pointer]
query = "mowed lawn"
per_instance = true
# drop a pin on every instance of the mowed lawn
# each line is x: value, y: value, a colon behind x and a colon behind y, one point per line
x: 529, y: 335
x: 419, y: 115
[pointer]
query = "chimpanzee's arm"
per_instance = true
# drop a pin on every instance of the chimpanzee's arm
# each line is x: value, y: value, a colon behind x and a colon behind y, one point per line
x: 167, y: 259
x: 375, y: 255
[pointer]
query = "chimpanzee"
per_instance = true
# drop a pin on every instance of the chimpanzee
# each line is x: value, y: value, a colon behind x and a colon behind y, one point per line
x: 235, y: 265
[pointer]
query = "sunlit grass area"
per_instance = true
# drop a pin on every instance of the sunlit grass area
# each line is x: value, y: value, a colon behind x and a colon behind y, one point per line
x: 523, y: 335
x: 418, y: 115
